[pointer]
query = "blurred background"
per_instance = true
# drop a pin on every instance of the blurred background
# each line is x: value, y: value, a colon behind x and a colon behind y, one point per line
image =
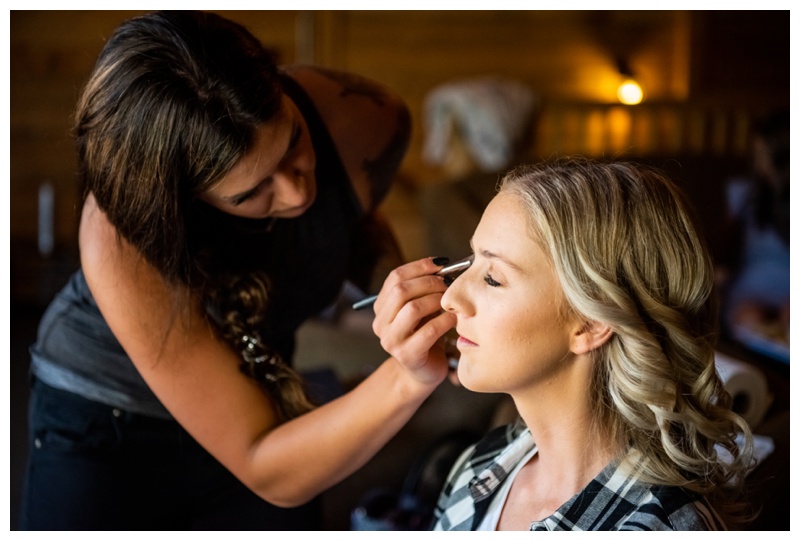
x: 538, y: 83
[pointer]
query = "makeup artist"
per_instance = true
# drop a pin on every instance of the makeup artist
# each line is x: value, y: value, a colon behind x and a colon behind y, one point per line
x: 221, y: 194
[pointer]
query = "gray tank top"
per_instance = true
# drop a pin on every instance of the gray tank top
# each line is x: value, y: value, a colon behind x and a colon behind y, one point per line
x: 76, y: 351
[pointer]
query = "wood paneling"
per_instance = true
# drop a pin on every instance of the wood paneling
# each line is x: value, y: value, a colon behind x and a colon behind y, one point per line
x: 566, y: 57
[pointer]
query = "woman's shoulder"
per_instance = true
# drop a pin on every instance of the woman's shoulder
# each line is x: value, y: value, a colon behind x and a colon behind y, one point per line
x: 369, y: 123
x: 124, y: 285
x: 97, y: 237
x: 102, y: 248
x: 332, y: 89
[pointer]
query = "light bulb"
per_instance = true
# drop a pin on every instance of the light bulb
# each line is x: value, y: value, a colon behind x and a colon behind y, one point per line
x: 629, y: 92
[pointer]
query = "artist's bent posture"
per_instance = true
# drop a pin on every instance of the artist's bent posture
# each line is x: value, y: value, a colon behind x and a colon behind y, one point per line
x: 590, y: 303
x: 221, y: 198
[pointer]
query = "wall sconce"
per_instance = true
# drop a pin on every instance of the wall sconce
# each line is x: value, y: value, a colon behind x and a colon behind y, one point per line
x: 629, y: 91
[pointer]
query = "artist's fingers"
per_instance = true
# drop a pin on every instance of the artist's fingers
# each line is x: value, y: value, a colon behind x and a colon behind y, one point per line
x: 404, y: 284
x: 411, y: 297
x: 413, y: 349
x: 411, y: 314
x: 409, y: 271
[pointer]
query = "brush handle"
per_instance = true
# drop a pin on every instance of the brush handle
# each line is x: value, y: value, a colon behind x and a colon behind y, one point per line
x: 448, y: 269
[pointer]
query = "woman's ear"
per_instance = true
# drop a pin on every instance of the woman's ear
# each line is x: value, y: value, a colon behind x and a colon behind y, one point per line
x: 590, y: 335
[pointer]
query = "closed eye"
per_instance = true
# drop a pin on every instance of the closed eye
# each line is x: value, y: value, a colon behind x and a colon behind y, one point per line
x: 491, y: 281
x: 243, y: 197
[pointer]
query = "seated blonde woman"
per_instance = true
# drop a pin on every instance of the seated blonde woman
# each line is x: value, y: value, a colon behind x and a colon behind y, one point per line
x: 590, y: 302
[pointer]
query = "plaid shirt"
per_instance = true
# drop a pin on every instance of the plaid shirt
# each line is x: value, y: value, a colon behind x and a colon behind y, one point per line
x: 613, y: 500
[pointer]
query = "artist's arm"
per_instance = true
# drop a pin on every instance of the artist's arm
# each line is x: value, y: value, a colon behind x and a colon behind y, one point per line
x: 197, y: 378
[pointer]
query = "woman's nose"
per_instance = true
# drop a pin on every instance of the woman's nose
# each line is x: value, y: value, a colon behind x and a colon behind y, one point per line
x: 447, y: 301
x: 457, y: 297
x: 452, y: 300
x: 290, y: 189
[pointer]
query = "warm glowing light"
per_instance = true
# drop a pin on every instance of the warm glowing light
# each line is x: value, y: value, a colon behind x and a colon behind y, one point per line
x: 629, y: 92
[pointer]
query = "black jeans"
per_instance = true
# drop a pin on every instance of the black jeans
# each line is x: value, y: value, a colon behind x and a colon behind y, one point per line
x: 94, y: 467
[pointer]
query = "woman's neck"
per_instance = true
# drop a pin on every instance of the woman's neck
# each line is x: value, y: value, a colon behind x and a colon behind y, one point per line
x: 572, y: 447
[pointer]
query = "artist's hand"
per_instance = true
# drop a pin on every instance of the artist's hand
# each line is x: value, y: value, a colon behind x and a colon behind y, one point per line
x: 410, y: 322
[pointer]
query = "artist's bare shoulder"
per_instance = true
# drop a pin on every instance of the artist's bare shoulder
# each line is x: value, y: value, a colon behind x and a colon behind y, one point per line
x: 369, y: 123
x: 104, y: 253
x: 133, y: 297
x: 98, y: 239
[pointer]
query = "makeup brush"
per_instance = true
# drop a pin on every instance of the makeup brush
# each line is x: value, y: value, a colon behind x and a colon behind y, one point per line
x: 459, y: 266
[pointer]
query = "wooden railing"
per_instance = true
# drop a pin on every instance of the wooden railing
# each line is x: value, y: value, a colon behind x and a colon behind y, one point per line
x: 600, y: 130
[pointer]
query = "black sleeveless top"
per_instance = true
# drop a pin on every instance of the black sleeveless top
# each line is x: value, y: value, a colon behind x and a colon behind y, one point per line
x: 306, y: 259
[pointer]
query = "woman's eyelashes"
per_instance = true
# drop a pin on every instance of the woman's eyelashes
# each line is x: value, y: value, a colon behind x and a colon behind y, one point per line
x: 243, y: 198
x: 488, y: 278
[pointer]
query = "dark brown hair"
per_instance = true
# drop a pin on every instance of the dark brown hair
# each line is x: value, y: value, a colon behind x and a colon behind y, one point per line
x: 172, y: 104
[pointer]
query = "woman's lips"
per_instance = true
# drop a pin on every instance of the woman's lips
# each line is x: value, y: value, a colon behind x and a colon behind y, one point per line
x: 465, y: 342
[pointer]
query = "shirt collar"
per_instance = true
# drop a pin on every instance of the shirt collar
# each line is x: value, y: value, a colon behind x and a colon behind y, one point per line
x: 487, y: 481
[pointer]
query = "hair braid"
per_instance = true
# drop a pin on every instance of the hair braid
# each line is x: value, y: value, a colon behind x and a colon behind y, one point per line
x: 237, y: 304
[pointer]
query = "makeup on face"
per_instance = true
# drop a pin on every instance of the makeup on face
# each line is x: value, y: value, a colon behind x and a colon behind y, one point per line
x: 450, y: 272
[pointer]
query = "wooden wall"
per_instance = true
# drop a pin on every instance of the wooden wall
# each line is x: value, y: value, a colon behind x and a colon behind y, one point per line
x: 685, y: 60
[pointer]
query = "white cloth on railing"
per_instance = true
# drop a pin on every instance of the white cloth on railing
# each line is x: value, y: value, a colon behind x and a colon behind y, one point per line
x: 490, y: 114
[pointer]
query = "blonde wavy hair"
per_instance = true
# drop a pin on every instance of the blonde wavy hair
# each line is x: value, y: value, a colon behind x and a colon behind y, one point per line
x: 628, y: 253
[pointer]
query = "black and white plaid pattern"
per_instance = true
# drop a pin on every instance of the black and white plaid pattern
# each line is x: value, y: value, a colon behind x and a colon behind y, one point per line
x: 613, y: 500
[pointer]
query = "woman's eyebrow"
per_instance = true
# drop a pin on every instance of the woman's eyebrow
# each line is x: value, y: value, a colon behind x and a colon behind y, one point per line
x: 491, y: 255
x: 488, y: 254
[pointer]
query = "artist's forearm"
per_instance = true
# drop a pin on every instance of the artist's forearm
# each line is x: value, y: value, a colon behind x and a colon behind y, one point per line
x: 323, y: 447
